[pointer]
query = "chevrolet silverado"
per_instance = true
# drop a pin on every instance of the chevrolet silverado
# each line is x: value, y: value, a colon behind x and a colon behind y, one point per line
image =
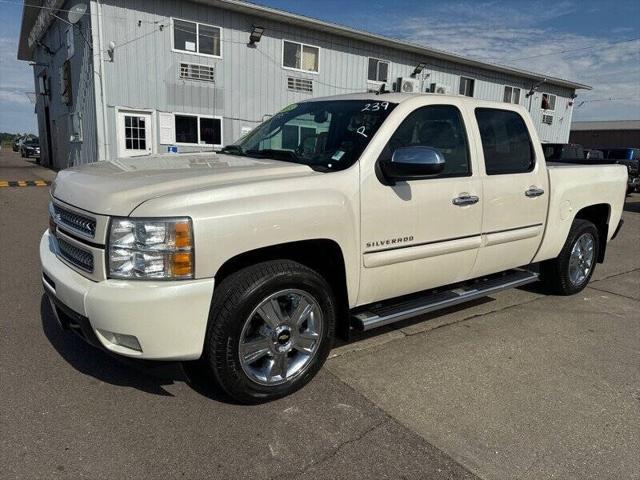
x: 338, y: 213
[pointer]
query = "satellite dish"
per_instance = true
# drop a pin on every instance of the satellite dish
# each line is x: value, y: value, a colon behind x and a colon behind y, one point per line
x: 77, y: 12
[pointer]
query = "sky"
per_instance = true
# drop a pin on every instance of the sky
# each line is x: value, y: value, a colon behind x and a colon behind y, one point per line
x: 581, y: 40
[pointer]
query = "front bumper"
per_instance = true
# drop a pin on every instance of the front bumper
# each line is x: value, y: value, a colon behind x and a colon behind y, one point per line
x: 168, y: 318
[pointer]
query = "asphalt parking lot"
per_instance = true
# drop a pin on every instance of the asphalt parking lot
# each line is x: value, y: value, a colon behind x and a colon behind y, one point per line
x: 519, y: 385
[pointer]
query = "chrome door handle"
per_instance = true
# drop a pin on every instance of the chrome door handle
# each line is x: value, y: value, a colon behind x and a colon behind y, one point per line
x: 465, y: 199
x: 534, y: 192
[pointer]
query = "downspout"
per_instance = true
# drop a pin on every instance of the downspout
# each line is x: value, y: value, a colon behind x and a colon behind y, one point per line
x: 103, y: 96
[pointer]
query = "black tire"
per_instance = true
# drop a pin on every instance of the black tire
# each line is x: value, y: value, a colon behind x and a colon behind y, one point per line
x: 554, y: 273
x: 234, y: 300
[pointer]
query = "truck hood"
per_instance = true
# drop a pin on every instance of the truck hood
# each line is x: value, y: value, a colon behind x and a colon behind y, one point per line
x: 117, y: 187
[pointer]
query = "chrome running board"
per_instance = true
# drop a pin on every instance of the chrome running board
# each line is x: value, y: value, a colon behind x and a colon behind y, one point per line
x: 384, y: 313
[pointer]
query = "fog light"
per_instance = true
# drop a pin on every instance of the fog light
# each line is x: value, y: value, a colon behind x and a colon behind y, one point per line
x: 122, y: 340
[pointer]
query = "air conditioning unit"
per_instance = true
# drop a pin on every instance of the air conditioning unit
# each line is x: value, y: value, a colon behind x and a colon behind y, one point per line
x: 435, y: 88
x: 408, y: 85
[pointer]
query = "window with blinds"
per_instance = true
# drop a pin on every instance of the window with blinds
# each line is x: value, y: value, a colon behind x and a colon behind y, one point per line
x: 299, y: 56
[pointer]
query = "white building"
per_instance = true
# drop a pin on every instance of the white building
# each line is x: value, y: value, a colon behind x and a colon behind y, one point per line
x: 117, y: 78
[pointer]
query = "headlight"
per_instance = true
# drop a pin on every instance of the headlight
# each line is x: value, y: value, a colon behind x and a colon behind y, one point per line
x: 151, y: 248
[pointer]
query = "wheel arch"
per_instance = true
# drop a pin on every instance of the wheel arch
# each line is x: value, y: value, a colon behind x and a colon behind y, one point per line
x: 598, y: 214
x: 322, y: 255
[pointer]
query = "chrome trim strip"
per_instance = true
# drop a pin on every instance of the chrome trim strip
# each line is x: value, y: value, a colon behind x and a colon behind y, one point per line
x: 389, y: 257
x: 511, y: 235
x: 70, y: 220
x: 450, y: 239
x: 66, y: 251
x: 512, y: 229
x: 98, y: 253
x: 420, y: 244
x: 101, y: 220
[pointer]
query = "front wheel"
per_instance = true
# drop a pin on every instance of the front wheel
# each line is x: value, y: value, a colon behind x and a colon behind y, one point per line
x: 271, y: 329
x: 570, y: 272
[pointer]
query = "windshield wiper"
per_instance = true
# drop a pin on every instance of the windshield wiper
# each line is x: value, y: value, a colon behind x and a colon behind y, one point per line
x: 233, y: 150
x: 285, y: 155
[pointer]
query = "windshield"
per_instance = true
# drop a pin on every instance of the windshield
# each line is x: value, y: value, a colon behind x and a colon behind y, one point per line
x: 326, y: 135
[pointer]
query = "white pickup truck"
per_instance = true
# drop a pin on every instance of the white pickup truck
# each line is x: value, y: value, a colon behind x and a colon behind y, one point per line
x: 339, y: 213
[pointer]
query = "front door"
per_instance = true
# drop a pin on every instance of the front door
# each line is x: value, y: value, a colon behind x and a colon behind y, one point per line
x: 415, y: 234
x: 516, y: 192
x: 134, y: 134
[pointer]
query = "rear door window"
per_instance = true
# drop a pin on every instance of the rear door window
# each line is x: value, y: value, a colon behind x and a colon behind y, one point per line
x: 506, y: 143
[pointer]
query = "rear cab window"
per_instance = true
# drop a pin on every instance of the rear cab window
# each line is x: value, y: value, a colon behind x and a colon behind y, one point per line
x: 506, y: 143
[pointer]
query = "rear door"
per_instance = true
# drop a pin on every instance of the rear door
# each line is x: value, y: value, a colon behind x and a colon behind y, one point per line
x: 515, y: 191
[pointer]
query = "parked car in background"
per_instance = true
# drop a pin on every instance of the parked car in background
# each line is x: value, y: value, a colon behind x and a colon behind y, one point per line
x: 30, y: 148
x: 630, y: 157
x: 17, y: 143
x: 621, y: 153
x: 575, y: 153
x: 556, y: 152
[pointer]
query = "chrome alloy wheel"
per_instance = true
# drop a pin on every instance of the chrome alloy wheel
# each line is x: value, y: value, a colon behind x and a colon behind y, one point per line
x: 581, y: 259
x: 281, y: 337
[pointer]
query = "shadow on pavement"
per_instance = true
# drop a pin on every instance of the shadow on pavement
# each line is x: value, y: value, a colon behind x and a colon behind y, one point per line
x: 149, y: 377
x: 632, y: 204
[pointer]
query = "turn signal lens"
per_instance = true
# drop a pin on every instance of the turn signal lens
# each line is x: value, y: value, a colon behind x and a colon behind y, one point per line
x: 182, y: 264
x: 183, y: 235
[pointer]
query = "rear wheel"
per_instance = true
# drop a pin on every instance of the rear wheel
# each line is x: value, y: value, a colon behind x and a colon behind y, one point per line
x: 571, y: 271
x: 270, y: 331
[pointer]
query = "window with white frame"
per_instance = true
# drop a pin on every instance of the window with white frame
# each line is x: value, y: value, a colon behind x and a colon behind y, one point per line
x: 198, y: 130
x: 300, y: 56
x: 378, y: 70
x: 198, y: 38
x: 548, y: 102
x: 512, y: 95
x: 466, y: 86
x: 294, y: 135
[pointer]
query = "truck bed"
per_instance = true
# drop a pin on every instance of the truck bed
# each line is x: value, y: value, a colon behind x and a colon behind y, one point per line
x: 573, y: 187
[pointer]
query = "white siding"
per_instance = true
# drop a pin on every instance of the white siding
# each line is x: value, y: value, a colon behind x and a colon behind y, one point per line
x: 251, y: 84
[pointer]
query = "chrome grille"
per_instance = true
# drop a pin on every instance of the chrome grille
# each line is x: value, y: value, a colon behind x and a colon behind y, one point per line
x: 79, y: 223
x: 76, y: 256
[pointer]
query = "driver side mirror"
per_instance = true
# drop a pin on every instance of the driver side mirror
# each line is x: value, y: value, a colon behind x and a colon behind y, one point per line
x: 412, y: 163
